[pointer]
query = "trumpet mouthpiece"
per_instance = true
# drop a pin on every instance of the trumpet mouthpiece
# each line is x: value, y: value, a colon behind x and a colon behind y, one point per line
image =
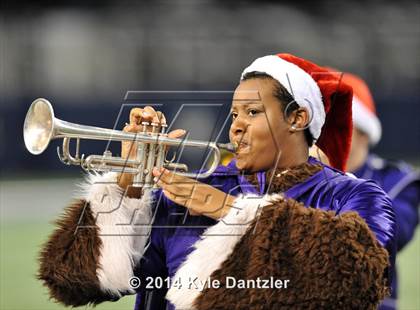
x: 231, y: 147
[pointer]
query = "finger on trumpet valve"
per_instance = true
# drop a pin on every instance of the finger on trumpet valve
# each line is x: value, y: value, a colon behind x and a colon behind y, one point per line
x: 155, y: 127
x: 144, y: 126
x: 163, y: 129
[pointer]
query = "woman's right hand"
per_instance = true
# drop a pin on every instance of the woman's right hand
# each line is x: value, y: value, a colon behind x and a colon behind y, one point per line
x: 129, y: 148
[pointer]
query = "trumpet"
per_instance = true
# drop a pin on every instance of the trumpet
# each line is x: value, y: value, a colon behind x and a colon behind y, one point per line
x: 41, y: 126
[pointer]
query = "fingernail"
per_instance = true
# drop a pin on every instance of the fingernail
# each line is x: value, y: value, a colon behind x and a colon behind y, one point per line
x: 145, y: 114
x: 161, y: 169
x: 155, y: 179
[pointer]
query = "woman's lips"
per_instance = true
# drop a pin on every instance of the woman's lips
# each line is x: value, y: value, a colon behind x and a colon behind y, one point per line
x: 243, y: 147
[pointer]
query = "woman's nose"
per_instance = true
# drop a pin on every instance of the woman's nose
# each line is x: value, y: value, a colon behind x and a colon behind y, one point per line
x: 238, y: 126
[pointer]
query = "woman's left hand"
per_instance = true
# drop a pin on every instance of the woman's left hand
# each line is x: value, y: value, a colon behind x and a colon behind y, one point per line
x: 199, y: 198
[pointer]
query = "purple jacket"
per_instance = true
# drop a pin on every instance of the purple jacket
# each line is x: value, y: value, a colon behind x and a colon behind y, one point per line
x: 402, y: 184
x: 175, y: 231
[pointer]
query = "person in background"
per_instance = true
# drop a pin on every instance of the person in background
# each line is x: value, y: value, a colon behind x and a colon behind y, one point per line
x: 400, y: 181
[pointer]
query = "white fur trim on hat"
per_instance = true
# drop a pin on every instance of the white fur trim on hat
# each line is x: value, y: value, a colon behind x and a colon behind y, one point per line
x: 366, y: 121
x: 298, y: 83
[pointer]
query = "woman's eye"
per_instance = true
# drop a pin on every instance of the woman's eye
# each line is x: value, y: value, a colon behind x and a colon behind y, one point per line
x: 234, y: 115
x: 252, y: 112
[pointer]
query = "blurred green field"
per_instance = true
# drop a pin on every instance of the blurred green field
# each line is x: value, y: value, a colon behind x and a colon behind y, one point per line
x: 20, y: 242
x: 19, y: 288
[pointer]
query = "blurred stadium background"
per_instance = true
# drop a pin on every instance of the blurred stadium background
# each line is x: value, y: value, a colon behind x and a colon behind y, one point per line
x: 84, y: 57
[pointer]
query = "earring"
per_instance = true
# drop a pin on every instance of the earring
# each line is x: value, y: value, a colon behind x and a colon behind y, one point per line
x: 293, y: 128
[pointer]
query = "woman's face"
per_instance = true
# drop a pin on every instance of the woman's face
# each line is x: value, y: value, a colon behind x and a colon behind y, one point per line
x: 258, y: 126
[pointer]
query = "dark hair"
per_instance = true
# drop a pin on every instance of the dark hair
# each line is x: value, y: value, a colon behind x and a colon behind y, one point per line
x: 284, y: 97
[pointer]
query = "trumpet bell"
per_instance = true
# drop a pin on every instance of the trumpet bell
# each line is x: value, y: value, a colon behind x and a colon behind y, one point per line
x: 38, y: 128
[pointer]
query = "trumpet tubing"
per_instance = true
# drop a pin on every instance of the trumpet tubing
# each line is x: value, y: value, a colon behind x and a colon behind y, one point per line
x: 41, y: 126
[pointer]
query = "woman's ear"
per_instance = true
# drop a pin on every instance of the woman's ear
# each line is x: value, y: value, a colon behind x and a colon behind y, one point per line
x: 299, y: 119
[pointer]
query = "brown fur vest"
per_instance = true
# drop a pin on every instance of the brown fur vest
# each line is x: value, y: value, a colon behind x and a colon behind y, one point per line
x: 332, y: 262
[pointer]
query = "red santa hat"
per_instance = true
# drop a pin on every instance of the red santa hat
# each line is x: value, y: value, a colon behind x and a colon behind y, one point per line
x: 327, y: 99
x: 364, y: 111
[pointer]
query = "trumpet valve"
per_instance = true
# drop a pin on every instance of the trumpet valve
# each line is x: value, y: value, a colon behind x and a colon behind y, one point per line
x: 155, y: 127
x: 144, y: 128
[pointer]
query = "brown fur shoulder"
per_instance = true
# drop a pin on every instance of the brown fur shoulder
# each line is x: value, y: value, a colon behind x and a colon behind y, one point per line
x: 281, y: 180
x: 332, y: 262
x: 70, y: 258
